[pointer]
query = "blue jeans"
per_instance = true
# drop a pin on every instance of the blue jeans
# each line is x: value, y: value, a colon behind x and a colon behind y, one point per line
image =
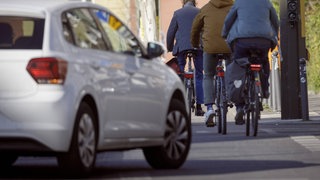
x: 242, y: 47
x: 198, y: 65
x: 210, y: 62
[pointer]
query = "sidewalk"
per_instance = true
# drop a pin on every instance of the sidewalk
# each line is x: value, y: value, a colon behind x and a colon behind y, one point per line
x: 268, y: 114
x: 314, y: 109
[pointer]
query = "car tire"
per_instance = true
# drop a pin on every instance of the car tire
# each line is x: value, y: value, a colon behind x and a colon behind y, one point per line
x: 80, y: 159
x: 177, y: 139
x: 7, y: 160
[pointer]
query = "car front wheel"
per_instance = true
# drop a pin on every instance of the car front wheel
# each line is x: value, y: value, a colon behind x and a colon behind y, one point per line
x: 81, y: 157
x: 177, y: 139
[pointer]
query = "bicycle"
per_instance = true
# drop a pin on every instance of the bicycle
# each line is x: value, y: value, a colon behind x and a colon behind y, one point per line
x: 189, y: 80
x: 253, y: 94
x: 187, y: 77
x: 221, y: 101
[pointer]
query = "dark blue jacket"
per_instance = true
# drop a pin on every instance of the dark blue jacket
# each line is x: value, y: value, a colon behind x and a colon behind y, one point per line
x: 179, y: 32
x: 251, y: 18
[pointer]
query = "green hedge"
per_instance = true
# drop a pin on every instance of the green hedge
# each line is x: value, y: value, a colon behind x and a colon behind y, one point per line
x: 312, y: 25
x: 313, y: 45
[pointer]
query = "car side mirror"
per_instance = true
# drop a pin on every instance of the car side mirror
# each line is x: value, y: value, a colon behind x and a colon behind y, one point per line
x: 155, y: 49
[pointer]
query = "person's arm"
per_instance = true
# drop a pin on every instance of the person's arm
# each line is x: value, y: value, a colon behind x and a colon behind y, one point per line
x: 274, y: 20
x: 228, y: 22
x: 172, y: 33
x: 196, y: 29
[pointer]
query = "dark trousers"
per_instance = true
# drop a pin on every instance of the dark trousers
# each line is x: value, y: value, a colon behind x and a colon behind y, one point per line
x: 198, y: 65
x: 242, y: 48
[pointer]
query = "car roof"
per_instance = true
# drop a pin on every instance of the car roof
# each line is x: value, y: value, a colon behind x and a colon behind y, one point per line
x: 39, y: 7
x: 38, y: 4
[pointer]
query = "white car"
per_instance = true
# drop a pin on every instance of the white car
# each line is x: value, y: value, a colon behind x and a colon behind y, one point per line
x: 75, y: 81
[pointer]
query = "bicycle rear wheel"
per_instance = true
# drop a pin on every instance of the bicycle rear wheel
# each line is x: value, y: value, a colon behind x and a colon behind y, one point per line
x: 223, y: 117
x: 248, y: 119
x: 256, y: 112
x: 223, y: 106
x: 253, y: 112
x: 189, y: 91
x: 217, y: 92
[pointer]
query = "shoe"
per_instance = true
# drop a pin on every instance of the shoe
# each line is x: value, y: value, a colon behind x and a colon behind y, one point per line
x: 266, y: 94
x: 199, y: 112
x: 260, y: 106
x: 209, y: 118
x: 239, y: 117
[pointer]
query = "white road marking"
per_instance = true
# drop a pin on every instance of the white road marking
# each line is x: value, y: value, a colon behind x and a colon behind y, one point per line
x: 310, y: 142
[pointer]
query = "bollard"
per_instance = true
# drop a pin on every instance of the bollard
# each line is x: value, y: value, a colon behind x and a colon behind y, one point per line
x: 275, y: 83
x: 304, y: 89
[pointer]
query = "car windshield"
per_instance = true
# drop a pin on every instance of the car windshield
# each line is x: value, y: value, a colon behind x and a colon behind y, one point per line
x: 21, y: 33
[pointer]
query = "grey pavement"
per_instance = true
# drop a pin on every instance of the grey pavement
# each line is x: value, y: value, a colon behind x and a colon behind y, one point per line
x: 269, y: 114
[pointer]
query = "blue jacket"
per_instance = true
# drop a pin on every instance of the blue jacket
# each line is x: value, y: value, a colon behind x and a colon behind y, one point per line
x: 251, y: 18
x: 179, y: 32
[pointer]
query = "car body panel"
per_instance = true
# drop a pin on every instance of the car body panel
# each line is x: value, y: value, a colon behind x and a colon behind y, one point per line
x: 131, y: 93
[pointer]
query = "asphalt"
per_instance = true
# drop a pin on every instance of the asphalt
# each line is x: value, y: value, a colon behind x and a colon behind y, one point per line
x: 269, y: 114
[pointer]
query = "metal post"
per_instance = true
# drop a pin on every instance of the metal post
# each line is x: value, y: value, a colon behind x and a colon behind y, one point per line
x: 275, y: 92
x: 272, y: 84
x: 292, y: 35
x: 304, y: 90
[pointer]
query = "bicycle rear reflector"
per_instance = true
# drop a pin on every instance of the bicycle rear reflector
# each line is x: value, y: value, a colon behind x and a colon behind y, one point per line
x: 188, y: 75
x: 255, y: 67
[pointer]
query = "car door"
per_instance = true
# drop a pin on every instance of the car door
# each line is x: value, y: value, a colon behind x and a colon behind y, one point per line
x: 142, y: 100
x: 103, y: 69
x: 146, y: 107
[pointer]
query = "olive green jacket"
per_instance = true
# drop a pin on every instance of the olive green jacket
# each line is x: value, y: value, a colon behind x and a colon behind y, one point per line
x: 208, y: 24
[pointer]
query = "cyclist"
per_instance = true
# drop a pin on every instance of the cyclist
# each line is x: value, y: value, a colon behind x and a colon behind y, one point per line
x: 179, y: 32
x: 208, y: 23
x: 253, y: 25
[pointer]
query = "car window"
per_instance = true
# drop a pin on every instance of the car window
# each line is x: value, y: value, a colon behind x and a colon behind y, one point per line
x: 21, y: 33
x: 67, y: 30
x: 120, y: 37
x: 83, y: 28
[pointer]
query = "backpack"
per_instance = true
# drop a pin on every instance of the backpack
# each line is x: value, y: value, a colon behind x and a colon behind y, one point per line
x: 235, y: 79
